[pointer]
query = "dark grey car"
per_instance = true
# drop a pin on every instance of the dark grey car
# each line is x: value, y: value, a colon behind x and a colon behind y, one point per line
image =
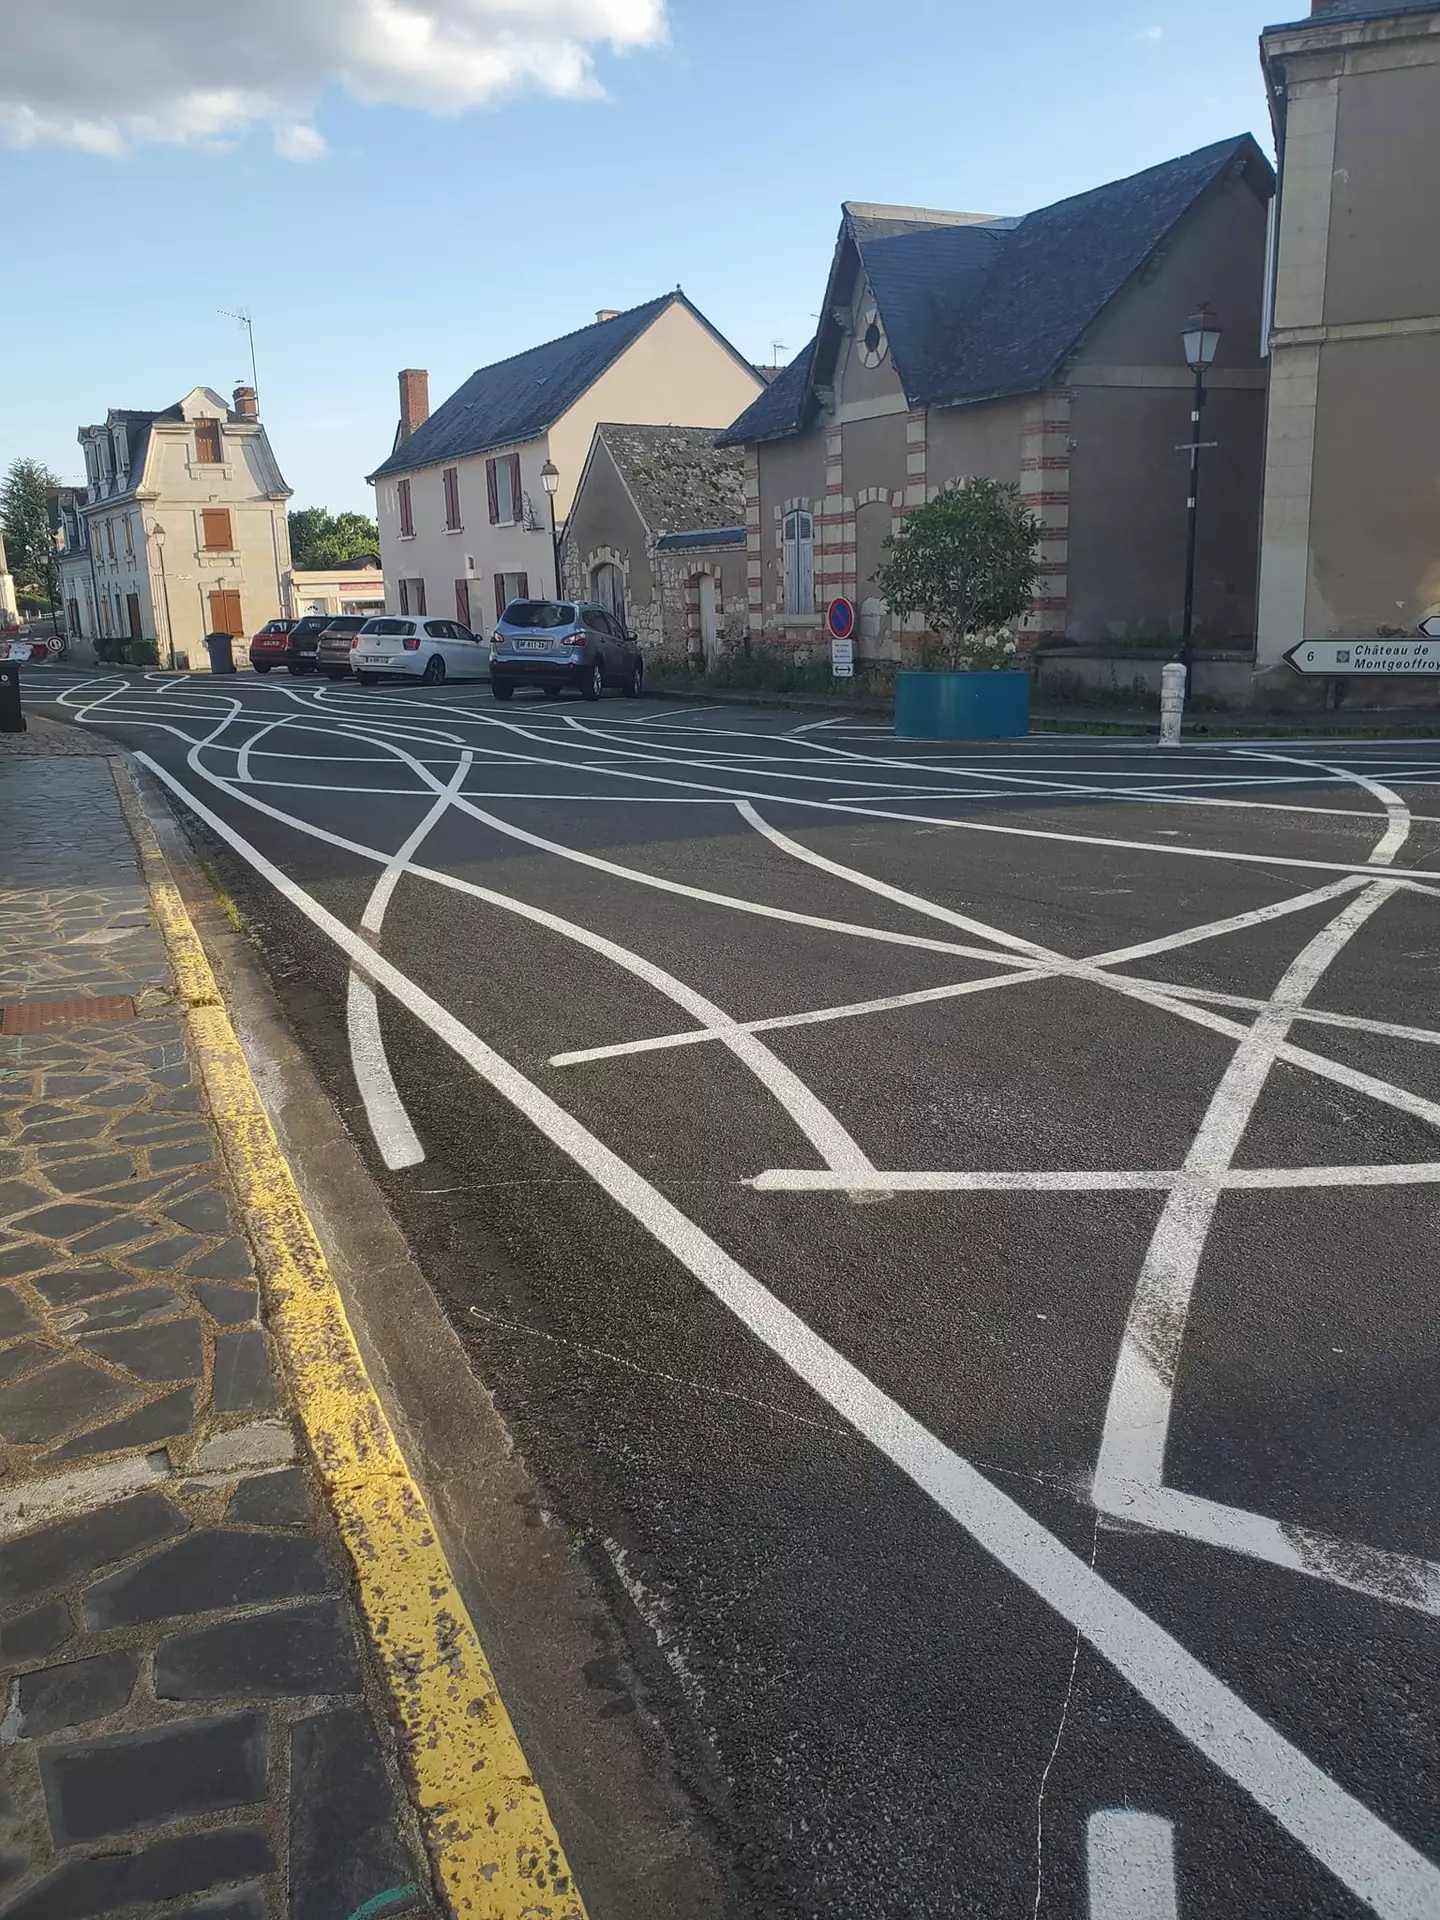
x: 554, y: 644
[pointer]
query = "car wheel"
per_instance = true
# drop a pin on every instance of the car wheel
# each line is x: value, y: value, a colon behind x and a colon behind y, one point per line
x: 501, y: 689
x: 334, y: 673
x: 297, y: 667
x: 552, y: 693
x: 258, y: 668
x: 434, y: 671
x: 635, y: 685
x: 593, y: 685
x: 366, y: 679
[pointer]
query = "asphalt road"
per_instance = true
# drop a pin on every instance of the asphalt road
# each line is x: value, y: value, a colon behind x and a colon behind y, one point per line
x: 952, y: 1230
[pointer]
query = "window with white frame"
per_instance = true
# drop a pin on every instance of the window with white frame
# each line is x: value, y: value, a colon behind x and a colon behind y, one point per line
x: 798, y: 555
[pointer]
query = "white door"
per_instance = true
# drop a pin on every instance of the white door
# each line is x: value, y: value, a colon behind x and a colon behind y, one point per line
x: 608, y: 587
x: 709, y: 620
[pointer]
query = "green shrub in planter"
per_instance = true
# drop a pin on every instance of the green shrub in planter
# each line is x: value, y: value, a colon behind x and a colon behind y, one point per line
x: 144, y: 653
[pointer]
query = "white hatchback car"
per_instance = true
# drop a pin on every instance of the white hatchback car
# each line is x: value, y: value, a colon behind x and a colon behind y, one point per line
x: 419, y: 647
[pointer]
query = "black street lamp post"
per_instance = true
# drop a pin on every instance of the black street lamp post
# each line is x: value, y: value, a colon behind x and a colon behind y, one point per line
x: 1201, y: 338
x: 550, y: 480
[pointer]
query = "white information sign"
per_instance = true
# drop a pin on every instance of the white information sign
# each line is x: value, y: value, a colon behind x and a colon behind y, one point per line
x: 842, y: 659
x: 1366, y: 656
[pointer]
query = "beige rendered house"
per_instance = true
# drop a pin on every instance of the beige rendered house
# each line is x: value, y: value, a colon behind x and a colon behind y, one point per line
x: 1350, y: 541
x: 1044, y: 350
x: 463, y: 510
x: 180, y: 531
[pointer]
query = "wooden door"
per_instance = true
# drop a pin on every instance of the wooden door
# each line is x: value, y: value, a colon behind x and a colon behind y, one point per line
x: 225, y: 612
x: 132, y: 614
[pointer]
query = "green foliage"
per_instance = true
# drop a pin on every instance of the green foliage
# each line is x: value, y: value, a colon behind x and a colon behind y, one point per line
x: 966, y: 561
x: 320, y: 539
x: 29, y: 537
x: 144, y: 653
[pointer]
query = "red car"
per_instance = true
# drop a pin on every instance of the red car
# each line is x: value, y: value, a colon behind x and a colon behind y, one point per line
x: 271, y: 645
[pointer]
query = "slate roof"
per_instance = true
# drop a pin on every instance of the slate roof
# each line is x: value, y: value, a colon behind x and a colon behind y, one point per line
x: 702, y: 537
x: 983, y: 308
x: 678, y: 478
x: 518, y: 398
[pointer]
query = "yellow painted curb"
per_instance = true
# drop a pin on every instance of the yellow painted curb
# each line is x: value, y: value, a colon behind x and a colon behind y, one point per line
x: 495, y: 1848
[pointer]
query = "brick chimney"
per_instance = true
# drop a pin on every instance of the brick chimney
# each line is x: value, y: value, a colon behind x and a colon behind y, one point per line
x: 414, y: 400
x: 246, y: 403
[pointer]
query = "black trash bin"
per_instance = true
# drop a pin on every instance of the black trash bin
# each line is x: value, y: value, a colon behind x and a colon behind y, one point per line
x: 222, y: 652
x: 12, y: 718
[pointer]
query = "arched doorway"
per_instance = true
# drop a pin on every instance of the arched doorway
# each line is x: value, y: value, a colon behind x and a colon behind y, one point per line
x: 607, y: 585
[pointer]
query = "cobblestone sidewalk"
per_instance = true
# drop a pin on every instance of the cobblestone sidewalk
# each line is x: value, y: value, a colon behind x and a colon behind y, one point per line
x: 187, y: 1719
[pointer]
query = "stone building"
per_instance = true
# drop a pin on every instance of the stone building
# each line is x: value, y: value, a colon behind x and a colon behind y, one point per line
x: 1043, y: 350
x: 660, y: 512
x: 463, y: 512
x: 1349, y: 543
x: 180, y: 531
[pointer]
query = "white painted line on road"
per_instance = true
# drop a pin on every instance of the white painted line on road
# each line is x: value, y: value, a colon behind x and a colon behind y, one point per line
x: 1384, y: 1173
x: 1130, y: 1865
x: 395, y: 1138
x: 1377, y: 1864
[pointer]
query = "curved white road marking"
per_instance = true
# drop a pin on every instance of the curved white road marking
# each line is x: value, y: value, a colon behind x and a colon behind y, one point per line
x: 1377, y: 1864
x: 1130, y: 1866
x: 1129, y: 1478
x: 395, y: 1137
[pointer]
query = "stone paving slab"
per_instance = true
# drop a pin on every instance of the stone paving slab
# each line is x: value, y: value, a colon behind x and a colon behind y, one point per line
x: 188, y: 1710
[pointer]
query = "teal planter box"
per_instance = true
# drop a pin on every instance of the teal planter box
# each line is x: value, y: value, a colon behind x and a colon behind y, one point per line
x: 962, y: 706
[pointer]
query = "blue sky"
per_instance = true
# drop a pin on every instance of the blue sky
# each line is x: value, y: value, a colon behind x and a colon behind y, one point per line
x: 714, y: 158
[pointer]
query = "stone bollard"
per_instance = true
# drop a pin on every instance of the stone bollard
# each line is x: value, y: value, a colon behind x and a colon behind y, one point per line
x: 1172, y: 702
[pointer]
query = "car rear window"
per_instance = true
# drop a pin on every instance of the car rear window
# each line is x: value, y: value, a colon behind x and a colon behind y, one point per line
x: 538, y: 613
x: 394, y: 629
x: 312, y: 623
x: 347, y: 623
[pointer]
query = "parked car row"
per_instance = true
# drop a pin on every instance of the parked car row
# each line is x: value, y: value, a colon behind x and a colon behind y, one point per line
x: 549, y: 644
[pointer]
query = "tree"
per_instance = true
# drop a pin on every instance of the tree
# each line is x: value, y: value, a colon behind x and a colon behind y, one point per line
x: 321, y: 539
x: 29, y: 536
x: 966, y: 560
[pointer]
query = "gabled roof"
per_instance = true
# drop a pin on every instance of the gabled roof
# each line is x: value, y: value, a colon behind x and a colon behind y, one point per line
x: 975, y: 308
x: 518, y: 398
x: 678, y: 478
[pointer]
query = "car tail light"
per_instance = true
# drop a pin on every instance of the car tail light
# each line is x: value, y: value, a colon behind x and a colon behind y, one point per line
x: 411, y: 646
x: 354, y: 641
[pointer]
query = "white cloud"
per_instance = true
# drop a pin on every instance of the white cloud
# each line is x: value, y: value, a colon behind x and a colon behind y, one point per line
x: 106, y: 77
x: 295, y: 141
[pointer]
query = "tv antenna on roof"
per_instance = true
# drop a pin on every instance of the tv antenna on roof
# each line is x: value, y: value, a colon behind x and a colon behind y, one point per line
x: 242, y: 315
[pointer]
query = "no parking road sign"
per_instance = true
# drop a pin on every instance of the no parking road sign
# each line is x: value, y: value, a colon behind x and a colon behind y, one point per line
x: 1368, y: 656
x: 840, y: 619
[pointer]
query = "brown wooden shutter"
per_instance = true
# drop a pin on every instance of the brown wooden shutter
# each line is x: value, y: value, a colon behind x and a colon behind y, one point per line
x: 499, y: 596
x: 132, y: 611
x: 523, y: 584
x: 215, y: 533
x: 225, y: 612
x: 517, y: 513
x: 404, y: 596
x: 208, y: 445
x: 452, y: 498
x: 492, y: 493
x: 419, y: 596
x: 462, y: 602
x: 407, y: 519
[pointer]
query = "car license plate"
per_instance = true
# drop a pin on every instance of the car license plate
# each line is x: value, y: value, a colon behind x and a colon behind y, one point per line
x: 374, y: 659
x: 531, y: 646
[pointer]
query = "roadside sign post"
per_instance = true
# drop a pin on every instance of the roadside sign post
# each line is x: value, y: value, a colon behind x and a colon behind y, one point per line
x: 840, y: 622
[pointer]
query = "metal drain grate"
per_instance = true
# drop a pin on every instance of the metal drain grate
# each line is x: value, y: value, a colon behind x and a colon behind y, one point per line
x: 30, y: 1016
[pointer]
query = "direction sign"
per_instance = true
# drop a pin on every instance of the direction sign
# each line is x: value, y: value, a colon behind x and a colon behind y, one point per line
x: 1366, y: 656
